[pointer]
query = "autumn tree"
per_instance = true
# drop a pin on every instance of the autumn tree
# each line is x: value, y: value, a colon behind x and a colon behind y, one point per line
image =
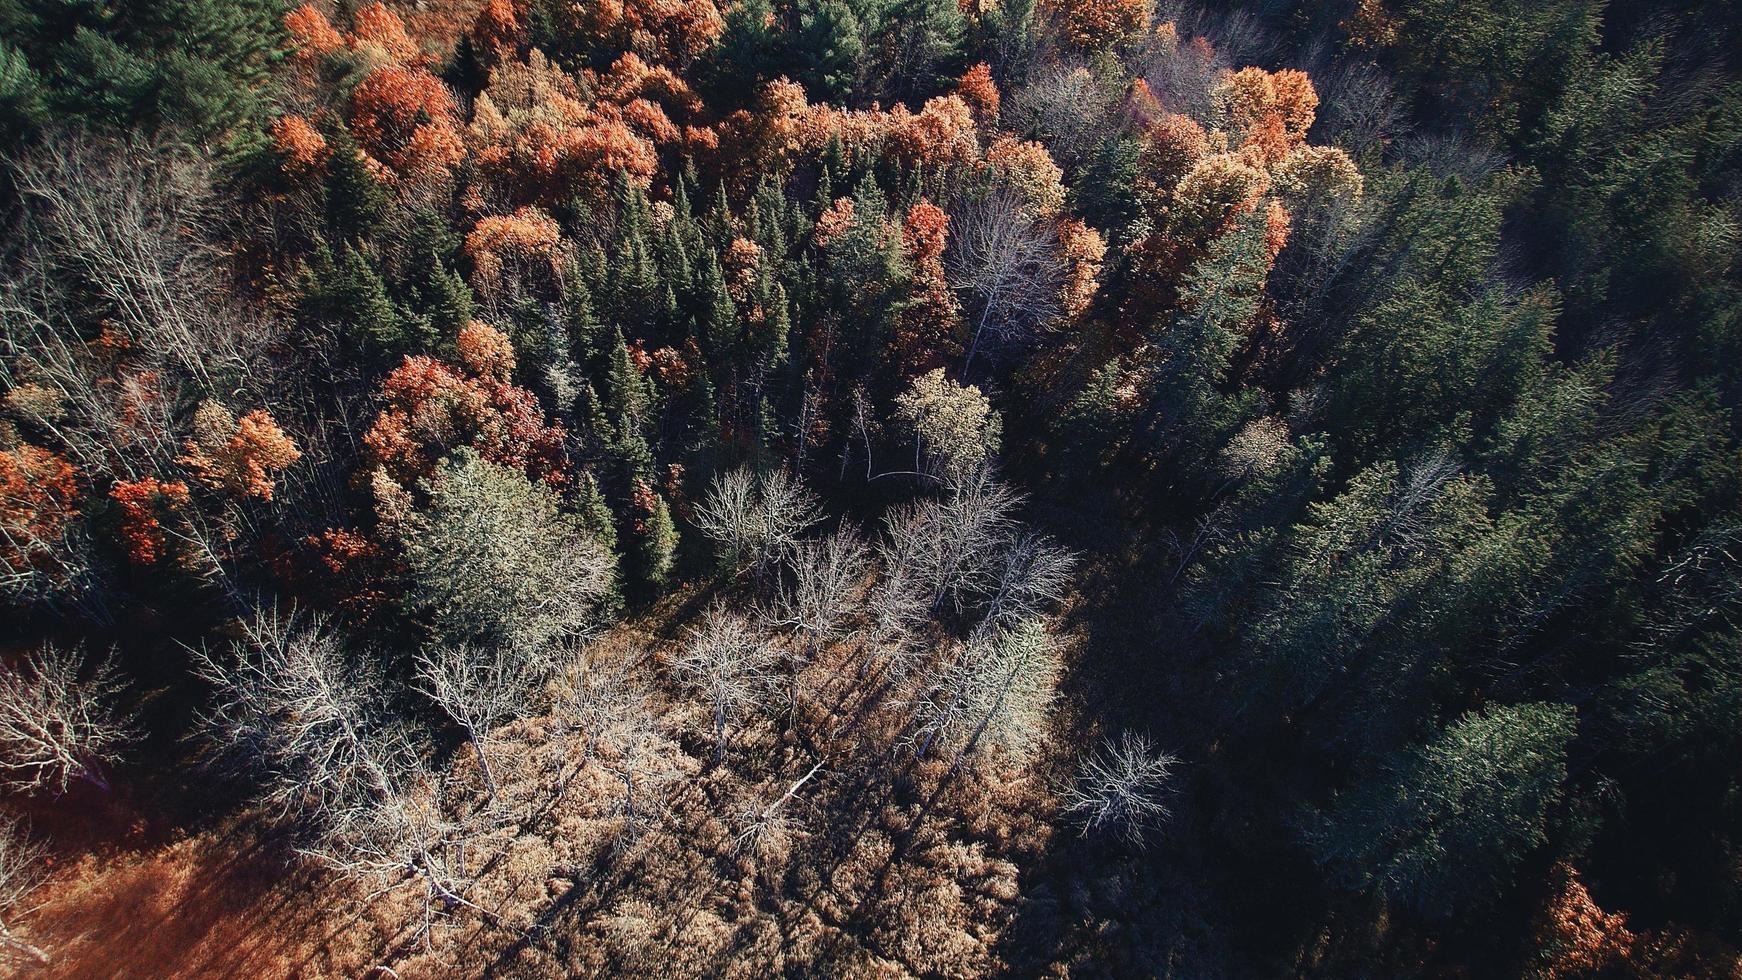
x: 405, y: 119
x: 39, y: 502
x: 431, y: 409
x: 241, y: 456
x: 1573, y: 935
x: 954, y: 429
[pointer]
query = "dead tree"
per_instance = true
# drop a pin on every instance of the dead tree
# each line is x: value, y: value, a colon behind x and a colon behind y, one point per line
x: 756, y: 518
x: 23, y: 867
x: 333, y: 764
x: 408, y: 836
x: 132, y: 224
x: 124, y: 229
x: 291, y: 713
x: 609, y: 707
x: 760, y: 823
x: 948, y: 550
x: 1120, y: 789
x: 823, y: 591
x: 1033, y: 574
x: 56, y: 728
x: 480, y: 688
x: 731, y: 665
x: 1007, y: 263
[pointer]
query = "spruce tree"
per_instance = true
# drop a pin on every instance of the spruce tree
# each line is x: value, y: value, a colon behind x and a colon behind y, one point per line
x: 1445, y: 828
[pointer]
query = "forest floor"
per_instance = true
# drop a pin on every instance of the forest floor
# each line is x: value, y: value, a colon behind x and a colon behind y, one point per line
x: 876, y: 865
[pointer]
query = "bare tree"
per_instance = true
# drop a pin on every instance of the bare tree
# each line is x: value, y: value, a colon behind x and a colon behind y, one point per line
x: 291, y: 712
x: 608, y: 704
x: 604, y: 702
x: 898, y: 607
x: 23, y: 868
x: 1120, y: 788
x: 1008, y: 264
x: 947, y: 550
x: 1032, y: 574
x: 1065, y: 107
x: 756, y: 518
x: 122, y: 232
x: 407, y: 836
x: 133, y: 223
x: 728, y: 663
x: 1361, y: 108
x: 998, y: 687
x: 480, y: 688
x: 823, y: 592
x: 54, y: 727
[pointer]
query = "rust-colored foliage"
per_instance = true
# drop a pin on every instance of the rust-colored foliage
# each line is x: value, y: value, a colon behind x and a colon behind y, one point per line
x: 661, y: 30
x: 498, y: 29
x: 742, y: 261
x: 834, y: 221
x: 766, y: 137
x: 643, y: 501
x: 376, y: 29
x: 1578, y: 936
x: 630, y: 78
x: 1171, y: 147
x: 981, y: 94
x: 300, y: 146
x: 539, y: 138
x: 241, y: 456
x: 430, y: 409
x: 1100, y: 23
x: 406, y: 118
x: 485, y: 352
x: 1267, y: 143
x: 1083, y: 250
x: 1029, y: 169
x: 39, y: 497
x: 311, y: 33
x: 924, y: 234
x: 144, y: 505
x: 527, y: 243
x: 926, y: 334
x: 1245, y: 98
x: 1142, y: 108
x: 340, y: 569
x: 941, y: 134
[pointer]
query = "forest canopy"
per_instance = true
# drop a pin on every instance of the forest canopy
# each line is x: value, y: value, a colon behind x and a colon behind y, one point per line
x: 871, y: 488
